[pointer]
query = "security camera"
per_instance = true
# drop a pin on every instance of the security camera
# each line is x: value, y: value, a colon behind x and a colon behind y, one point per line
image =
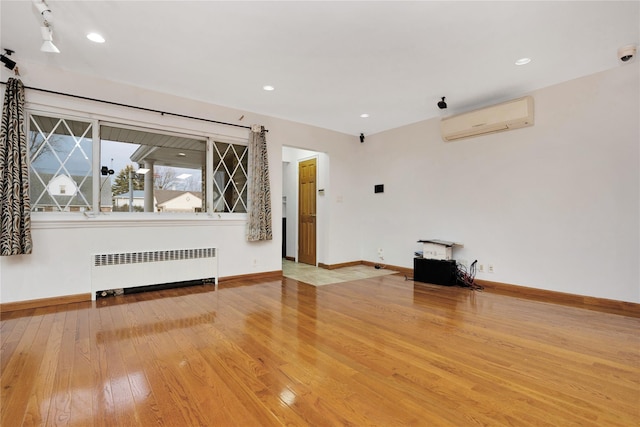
x: 626, y: 53
x: 442, y: 104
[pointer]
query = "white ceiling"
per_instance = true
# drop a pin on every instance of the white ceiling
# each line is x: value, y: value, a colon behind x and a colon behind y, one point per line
x: 330, y: 61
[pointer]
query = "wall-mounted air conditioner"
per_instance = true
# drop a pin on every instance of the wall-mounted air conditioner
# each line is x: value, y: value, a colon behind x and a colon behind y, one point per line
x: 497, y: 118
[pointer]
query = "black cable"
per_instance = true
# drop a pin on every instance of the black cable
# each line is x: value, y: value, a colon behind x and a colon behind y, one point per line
x: 466, y: 278
x: 136, y: 107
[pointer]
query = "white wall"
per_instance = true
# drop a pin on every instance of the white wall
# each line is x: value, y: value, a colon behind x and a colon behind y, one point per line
x: 62, y: 255
x: 339, y: 207
x: 61, y: 259
x: 553, y: 206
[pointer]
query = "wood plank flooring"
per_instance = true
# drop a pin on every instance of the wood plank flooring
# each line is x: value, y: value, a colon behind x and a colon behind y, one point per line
x: 379, y: 351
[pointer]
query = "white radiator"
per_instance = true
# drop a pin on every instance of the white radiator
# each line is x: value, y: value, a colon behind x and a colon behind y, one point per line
x: 133, y: 269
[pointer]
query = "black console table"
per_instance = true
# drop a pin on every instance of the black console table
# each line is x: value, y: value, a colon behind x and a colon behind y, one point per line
x: 435, y: 271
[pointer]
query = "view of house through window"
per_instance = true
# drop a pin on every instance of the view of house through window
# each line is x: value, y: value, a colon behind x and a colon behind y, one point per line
x: 139, y: 171
x: 151, y: 172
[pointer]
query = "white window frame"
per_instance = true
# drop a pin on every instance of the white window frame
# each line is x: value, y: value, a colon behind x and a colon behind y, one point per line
x: 64, y: 219
x: 94, y: 136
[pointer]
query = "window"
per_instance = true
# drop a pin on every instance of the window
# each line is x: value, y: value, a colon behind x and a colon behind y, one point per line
x: 139, y: 170
x: 61, y: 173
x: 229, y: 177
x: 152, y: 172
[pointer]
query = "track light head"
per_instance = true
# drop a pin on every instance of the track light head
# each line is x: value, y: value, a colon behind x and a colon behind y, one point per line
x: 442, y: 105
x: 47, y: 37
x: 49, y: 47
x: 7, y: 61
x: 362, y: 137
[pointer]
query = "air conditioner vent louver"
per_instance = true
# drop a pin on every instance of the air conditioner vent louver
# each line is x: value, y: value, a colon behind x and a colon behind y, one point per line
x: 498, y: 118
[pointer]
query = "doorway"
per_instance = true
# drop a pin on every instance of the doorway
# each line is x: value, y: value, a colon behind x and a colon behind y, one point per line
x: 307, y: 211
x: 307, y: 249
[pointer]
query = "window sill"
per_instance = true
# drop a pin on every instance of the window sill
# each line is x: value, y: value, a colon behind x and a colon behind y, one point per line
x: 48, y: 220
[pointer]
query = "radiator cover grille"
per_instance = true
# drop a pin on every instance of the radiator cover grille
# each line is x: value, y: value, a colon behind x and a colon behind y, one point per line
x: 152, y: 256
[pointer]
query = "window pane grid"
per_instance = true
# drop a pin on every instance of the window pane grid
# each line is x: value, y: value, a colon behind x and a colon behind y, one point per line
x: 230, y: 177
x: 60, y: 164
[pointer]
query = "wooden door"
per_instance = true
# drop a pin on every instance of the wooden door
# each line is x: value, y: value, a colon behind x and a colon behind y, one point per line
x: 307, y: 212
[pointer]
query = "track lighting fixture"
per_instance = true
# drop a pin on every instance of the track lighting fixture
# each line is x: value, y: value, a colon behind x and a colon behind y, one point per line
x: 442, y: 105
x: 45, y: 30
x: 47, y: 37
x: 44, y: 10
x: 6, y: 61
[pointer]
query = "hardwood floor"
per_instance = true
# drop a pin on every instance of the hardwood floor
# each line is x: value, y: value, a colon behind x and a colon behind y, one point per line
x: 379, y: 351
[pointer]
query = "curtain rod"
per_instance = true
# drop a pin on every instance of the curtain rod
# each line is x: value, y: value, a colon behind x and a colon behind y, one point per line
x: 136, y: 107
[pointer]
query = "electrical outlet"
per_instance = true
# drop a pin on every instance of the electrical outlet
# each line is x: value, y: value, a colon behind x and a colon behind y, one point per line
x: 480, y: 268
x: 490, y: 268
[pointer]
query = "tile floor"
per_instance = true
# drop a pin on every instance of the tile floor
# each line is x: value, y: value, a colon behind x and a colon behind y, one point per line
x: 321, y: 276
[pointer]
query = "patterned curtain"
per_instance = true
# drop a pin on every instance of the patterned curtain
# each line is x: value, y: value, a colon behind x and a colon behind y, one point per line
x: 259, y: 224
x: 15, y: 211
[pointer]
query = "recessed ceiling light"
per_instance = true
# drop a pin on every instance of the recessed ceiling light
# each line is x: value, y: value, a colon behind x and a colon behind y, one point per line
x: 181, y: 155
x: 184, y: 176
x: 268, y: 87
x: 95, y: 37
x: 364, y: 115
x: 523, y: 61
